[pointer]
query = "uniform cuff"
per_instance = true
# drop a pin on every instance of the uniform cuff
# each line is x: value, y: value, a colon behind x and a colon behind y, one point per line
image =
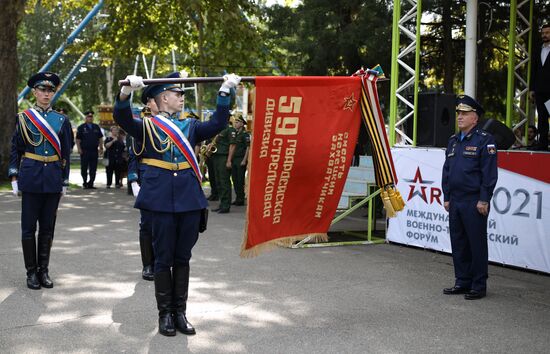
x: 66, y: 183
x: 121, y: 104
x: 223, y: 100
x: 132, y: 177
x: 13, y: 172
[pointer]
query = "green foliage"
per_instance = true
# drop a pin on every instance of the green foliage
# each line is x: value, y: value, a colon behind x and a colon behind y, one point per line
x: 327, y: 37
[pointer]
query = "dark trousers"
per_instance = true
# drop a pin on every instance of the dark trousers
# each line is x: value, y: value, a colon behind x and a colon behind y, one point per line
x: 174, y: 235
x: 223, y: 180
x: 212, y: 177
x: 38, y: 208
x: 88, y: 159
x: 238, y: 173
x: 468, y: 229
x: 543, y: 115
x: 117, y: 170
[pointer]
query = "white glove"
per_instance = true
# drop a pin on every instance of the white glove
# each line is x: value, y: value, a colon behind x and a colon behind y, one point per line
x: 184, y: 74
x: 14, y: 188
x: 136, y: 82
x: 64, y: 191
x: 135, y: 188
x: 230, y: 81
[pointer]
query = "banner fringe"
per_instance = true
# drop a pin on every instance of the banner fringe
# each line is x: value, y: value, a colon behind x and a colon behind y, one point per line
x: 280, y: 242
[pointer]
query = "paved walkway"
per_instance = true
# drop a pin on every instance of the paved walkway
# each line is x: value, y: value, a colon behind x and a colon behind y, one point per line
x: 359, y: 299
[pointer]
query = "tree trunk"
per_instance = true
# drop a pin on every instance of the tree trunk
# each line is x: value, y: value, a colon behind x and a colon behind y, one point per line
x: 10, y: 17
x: 448, y: 53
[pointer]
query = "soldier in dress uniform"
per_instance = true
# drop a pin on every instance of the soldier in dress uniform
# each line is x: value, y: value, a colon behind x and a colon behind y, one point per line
x: 89, y: 138
x: 39, y: 168
x: 238, y: 154
x: 222, y: 168
x: 469, y: 179
x: 171, y: 187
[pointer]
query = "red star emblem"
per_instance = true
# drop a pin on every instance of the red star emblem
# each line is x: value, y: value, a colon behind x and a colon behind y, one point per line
x: 349, y: 102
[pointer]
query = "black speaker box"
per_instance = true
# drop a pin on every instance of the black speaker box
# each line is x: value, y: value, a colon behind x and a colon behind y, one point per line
x: 504, y: 136
x: 436, y: 119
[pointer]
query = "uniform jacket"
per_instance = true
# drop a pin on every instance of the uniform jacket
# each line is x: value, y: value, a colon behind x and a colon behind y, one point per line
x: 164, y: 190
x: 241, y: 141
x: 470, y: 169
x: 35, y: 176
x: 540, y: 77
x: 89, y: 138
x: 224, y: 139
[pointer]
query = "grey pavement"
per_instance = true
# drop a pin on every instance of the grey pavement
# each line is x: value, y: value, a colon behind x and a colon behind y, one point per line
x: 356, y: 299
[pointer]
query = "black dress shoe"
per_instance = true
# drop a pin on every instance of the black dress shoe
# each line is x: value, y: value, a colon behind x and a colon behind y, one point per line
x: 147, y: 273
x: 215, y: 210
x: 183, y: 325
x: 456, y: 290
x: 45, y: 280
x: 166, y: 325
x: 474, y: 295
x: 223, y: 211
x: 32, y: 281
x: 213, y: 198
x: 237, y: 203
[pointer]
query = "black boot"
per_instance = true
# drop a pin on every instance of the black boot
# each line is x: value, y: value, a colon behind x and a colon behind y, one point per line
x: 163, y: 293
x: 180, y: 289
x: 29, y: 255
x: 44, y: 247
x: 147, y: 258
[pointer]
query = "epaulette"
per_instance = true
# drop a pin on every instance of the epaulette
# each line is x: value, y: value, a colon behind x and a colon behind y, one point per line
x: 481, y: 132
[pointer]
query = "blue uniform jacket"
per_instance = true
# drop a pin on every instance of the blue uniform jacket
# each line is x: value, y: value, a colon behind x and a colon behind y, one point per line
x: 135, y: 169
x: 35, y: 176
x: 470, y: 170
x: 89, y: 137
x: 164, y: 190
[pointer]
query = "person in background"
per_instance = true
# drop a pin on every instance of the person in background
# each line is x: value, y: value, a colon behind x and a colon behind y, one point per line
x: 114, y: 150
x: 89, y: 139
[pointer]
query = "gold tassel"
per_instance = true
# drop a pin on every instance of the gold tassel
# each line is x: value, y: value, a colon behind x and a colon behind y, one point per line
x: 400, y: 199
x: 393, y: 199
x: 390, y: 212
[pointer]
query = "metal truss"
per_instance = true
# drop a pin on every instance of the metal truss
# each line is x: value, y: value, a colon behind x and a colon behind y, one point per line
x: 406, y: 60
x: 519, y: 62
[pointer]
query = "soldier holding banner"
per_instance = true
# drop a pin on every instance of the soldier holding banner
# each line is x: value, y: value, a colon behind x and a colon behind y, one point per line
x: 171, y: 187
x: 469, y: 179
x: 39, y: 168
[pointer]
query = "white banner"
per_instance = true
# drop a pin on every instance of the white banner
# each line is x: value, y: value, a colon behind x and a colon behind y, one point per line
x: 519, y: 222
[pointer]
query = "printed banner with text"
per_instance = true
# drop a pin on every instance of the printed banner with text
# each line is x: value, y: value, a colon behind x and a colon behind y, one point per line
x: 305, y: 131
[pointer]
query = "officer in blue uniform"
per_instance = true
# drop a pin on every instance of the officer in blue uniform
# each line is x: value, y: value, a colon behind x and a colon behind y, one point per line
x: 39, y: 168
x: 170, y: 190
x: 469, y: 179
x: 135, y: 170
x: 89, y: 138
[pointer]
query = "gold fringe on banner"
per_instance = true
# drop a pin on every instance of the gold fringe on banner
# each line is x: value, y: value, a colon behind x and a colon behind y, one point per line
x: 381, y: 153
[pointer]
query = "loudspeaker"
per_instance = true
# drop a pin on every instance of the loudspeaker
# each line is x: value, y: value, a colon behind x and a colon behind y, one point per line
x: 504, y: 136
x: 435, y: 121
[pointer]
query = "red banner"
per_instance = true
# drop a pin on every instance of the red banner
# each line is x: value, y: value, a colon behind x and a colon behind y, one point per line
x: 304, y: 136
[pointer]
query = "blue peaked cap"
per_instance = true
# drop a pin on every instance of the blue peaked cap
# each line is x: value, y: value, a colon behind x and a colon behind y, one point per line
x: 466, y: 103
x: 153, y: 90
x: 44, y: 78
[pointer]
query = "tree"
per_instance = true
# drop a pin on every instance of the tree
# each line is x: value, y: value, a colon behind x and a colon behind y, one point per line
x: 10, y: 17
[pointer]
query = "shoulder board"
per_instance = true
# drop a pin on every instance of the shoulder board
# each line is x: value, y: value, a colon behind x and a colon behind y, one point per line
x: 482, y: 132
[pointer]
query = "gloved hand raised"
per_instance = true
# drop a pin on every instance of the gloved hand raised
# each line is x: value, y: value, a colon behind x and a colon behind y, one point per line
x: 136, y: 82
x: 230, y: 82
